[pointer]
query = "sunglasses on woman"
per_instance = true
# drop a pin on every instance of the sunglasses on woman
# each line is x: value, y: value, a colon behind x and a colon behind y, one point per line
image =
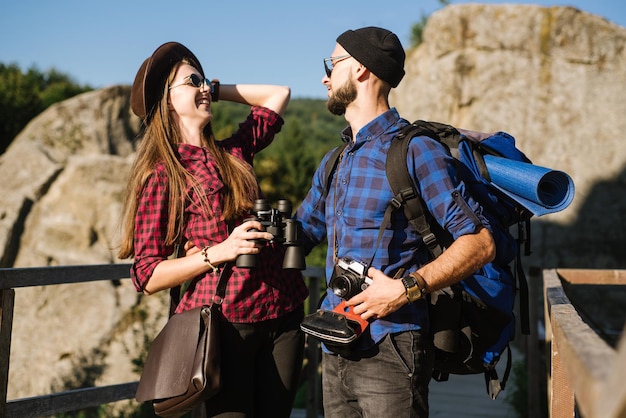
x: 196, y: 81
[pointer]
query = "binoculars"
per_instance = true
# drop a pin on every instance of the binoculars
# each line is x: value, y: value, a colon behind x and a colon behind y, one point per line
x: 286, y: 231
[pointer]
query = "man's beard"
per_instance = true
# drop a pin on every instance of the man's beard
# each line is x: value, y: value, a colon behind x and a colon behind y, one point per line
x: 341, y: 98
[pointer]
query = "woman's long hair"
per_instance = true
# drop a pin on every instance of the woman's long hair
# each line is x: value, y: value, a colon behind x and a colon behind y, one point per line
x: 159, y: 146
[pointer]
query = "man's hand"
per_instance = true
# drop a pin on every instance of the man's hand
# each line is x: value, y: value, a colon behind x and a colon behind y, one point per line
x: 382, y: 297
x: 190, y: 248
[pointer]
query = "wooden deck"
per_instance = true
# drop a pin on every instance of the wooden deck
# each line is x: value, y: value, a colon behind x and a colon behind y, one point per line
x: 466, y: 396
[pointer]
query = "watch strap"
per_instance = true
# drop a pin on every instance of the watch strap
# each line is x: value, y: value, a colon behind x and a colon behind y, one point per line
x: 415, y: 286
x: 420, y: 282
x: 412, y: 289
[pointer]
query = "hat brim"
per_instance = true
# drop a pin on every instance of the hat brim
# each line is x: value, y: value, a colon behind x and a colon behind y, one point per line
x: 147, y: 88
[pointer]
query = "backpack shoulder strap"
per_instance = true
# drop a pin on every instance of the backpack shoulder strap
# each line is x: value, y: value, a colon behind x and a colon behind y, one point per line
x: 398, y: 175
x: 402, y: 184
x: 331, y: 166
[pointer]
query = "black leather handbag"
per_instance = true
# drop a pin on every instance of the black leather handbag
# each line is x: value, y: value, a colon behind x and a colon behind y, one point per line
x: 182, y: 369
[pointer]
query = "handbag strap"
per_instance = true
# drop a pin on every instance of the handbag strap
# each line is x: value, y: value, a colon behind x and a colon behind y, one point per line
x: 220, y: 290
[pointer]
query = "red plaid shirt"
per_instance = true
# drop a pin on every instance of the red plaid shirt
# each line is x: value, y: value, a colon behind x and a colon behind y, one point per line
x: 252, y: 295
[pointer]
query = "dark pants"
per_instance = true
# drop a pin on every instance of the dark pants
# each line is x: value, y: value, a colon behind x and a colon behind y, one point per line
x: 391, y: 380
x: 261, y: 366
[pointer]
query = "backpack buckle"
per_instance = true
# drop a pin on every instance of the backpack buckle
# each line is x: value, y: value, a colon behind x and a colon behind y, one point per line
x: 429, y: 239
x: 396, y: 203
x: 401, y: 198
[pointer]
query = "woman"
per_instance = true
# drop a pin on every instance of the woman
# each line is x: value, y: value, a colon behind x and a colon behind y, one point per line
x: 187, y: 189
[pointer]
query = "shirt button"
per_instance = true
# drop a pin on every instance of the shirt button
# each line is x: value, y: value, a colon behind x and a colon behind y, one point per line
x: 338, y: 213
x: 344, y: 181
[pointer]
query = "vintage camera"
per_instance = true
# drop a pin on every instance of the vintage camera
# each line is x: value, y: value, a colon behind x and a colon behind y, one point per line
x: 348, y: 278
x: 286, y: 231
x: 341, y: 326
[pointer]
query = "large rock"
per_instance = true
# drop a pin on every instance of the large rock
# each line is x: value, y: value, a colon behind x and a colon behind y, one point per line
x: 63, y: 180
x: 97, y: 123
x: 555, y: 78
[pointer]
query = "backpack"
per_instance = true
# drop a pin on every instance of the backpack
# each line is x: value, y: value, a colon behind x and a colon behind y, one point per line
x: 472, y: 322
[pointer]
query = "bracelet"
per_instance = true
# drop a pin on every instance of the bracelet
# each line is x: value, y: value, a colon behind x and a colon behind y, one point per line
x: 215, y: 96
x: 206, y: 259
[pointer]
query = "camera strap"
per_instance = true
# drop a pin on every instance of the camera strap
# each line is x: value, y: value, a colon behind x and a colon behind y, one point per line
x: 381, y: 230
x: 383, y: 225
x: 337, y: 165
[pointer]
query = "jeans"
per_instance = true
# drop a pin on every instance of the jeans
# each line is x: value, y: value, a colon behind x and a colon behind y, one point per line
x: 261, y: 365
x: 390, y: 380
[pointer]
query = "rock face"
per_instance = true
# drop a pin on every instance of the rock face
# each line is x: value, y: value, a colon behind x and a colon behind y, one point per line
x: 63, y: 180
x: 553, y: 77
x: 80, y: 147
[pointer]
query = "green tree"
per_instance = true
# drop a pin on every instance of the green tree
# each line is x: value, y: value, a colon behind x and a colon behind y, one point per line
x: 19, y: 102
x: 57, y: 87
x: 286, y: 167
x: 25, y: 95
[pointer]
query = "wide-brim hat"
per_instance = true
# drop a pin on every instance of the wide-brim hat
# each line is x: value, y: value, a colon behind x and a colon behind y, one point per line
x: 150, y: 79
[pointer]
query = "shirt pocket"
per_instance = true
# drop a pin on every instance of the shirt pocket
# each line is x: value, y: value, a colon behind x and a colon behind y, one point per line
x: 211, y: 187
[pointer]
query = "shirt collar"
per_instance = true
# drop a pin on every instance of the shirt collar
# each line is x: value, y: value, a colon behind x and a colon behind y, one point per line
x: 192, y: 152
x: 374, y: 128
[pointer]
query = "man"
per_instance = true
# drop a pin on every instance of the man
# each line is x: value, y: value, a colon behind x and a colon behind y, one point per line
x: 387, y: 371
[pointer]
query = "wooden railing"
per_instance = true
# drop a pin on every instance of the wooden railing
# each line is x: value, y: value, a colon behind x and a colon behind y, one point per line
x: 73, y: 400
x: 586, y: 374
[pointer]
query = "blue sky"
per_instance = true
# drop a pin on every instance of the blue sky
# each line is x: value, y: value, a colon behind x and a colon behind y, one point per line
x: 238, y: 41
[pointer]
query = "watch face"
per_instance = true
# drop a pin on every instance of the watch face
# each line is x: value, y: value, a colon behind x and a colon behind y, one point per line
x: 415, y: 294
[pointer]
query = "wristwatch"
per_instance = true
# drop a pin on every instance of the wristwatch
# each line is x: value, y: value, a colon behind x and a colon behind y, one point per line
x: 215, y: 95
x: 415, y: 286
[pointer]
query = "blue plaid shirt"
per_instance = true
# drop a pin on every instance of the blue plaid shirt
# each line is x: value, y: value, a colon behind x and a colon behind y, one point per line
x: 349, y: 217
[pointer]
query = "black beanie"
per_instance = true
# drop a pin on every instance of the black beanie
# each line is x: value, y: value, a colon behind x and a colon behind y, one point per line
x: 379, y: 50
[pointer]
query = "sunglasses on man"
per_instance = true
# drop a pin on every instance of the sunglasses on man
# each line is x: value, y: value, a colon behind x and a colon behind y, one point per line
x: 330, y: 62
